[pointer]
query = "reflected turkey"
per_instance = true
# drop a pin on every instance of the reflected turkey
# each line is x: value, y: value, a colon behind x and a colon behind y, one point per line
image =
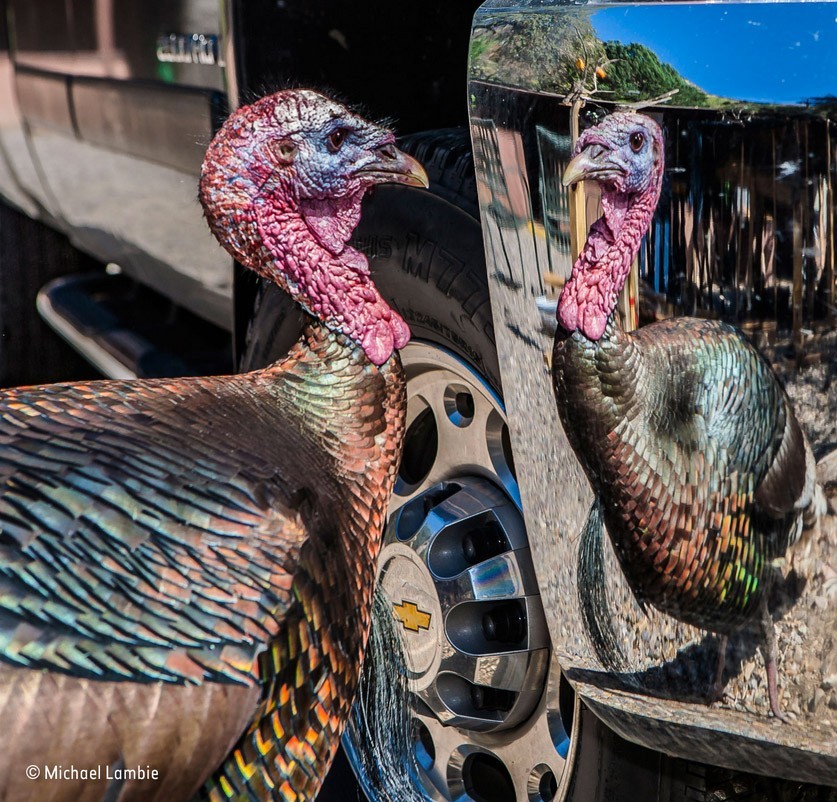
x: 701, y: 471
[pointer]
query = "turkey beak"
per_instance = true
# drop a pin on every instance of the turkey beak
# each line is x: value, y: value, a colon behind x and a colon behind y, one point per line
x: 394, y: 166
x: 593, y: 162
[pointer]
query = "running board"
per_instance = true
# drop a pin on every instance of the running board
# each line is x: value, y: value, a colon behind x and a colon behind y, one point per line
x: 126, y: 330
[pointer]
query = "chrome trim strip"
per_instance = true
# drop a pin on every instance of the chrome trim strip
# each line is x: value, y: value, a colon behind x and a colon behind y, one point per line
x: 90, y: 349
x: 228, y: 51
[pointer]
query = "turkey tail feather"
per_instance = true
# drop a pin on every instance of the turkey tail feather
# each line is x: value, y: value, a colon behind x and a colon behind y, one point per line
x: 592, y: 592
x: 380, y: 742
x: 808, y: 528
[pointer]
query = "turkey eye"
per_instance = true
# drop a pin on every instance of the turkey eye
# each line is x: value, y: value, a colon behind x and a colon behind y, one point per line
x: 637, y: 141
x: 336, y: 138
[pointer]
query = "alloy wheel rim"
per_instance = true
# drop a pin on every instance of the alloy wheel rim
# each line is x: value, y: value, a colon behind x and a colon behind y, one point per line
x: 455, y: 565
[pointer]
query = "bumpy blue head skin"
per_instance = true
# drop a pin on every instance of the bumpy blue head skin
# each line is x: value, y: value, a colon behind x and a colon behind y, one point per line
x: 335, y: 152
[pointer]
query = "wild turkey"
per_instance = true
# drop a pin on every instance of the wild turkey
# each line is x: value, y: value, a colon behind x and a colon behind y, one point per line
x: 187, y: 565
x: 702, y: 473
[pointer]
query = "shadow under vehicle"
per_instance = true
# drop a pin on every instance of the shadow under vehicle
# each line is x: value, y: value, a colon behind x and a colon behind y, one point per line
x: 105, y: 111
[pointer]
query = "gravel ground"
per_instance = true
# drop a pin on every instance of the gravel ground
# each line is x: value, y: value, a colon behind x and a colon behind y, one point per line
x: 812, y: 388
x: 808, y: 632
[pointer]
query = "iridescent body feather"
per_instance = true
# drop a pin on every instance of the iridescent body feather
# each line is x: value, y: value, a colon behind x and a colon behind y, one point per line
x: 678, y: 425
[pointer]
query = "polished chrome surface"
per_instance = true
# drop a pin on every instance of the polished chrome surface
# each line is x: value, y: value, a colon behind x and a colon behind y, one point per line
x: 519, y: 765
x: 471, y: 436
x: 744, y: 57
x: 227, y: 23
x: 744, y: 232
x: 87, y: 346
x: 456, y: 567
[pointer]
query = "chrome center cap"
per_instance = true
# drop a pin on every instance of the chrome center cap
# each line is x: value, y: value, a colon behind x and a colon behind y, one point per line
x: 408, y: 585
x: 456, y: 569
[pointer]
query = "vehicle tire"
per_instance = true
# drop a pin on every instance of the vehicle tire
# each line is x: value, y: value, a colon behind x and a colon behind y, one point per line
x: 426, y: 255
x: 32, y: 254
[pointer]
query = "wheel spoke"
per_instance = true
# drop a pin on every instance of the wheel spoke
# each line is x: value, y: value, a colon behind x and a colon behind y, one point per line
x: 468, y: 424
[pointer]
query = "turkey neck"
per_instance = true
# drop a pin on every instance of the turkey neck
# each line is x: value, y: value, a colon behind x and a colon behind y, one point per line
x: 595, y: 383
x: 595, y: 379
x: 347, y: 393
x: 345, y: 418
x: 349, y: 414
x: 352, y: 413
x: 305, y: 252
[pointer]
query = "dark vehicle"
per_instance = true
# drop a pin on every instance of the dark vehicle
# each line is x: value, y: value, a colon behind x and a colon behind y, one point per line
x: 105, y: 111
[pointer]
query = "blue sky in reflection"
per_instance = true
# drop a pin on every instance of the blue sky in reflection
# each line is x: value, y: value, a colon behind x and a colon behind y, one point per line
x: 767, y: 52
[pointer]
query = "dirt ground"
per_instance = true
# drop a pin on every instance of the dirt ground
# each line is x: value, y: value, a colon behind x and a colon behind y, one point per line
x: 808, y: 630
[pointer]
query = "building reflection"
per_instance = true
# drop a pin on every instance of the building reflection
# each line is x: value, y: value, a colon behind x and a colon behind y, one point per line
x: 744, y: 230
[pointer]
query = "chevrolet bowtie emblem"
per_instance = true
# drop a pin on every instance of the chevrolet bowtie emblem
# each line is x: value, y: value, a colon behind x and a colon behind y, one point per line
x: 411, y: 617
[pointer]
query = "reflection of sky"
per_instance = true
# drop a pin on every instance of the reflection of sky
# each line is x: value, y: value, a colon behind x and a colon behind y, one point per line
x: 768, y: 52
